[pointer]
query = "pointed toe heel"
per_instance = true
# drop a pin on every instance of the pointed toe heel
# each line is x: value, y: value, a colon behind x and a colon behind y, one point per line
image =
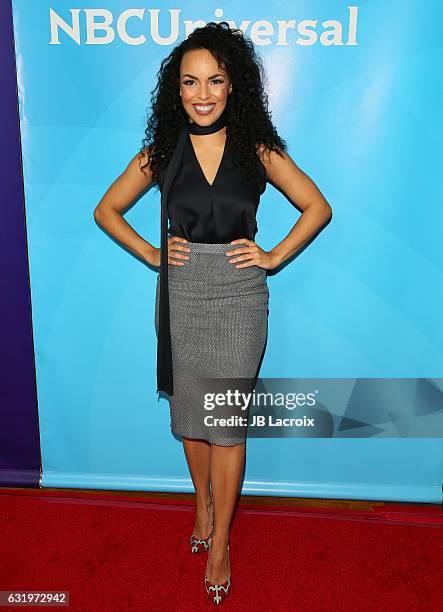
x: 199, y: 545
x: 218, y: 592
x: 202, y: 544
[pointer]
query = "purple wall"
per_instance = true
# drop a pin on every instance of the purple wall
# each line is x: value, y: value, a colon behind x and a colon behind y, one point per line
x: 19, y: 435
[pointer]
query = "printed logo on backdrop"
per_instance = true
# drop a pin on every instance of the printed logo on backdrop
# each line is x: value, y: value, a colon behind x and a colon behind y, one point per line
x: 137, y: 26
x: 322, y: 408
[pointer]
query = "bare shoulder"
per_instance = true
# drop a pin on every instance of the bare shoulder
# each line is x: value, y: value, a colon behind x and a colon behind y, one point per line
x: 134, y: 179
x: 284, y: 173
x: 276, y: 161
x: 138, y: 170
x: 143, y: 158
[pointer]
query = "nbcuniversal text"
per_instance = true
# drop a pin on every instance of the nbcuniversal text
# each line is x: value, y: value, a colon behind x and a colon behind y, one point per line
x: 138, y: 26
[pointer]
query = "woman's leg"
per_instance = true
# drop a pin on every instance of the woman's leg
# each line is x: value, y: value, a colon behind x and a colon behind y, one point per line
x: 198, y: 454
x: 227, y: 463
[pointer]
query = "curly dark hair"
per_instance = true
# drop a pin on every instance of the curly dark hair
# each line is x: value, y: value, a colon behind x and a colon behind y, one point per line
x: 249, y: 122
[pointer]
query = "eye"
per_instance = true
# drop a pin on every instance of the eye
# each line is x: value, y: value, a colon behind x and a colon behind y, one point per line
x: 189, y: 81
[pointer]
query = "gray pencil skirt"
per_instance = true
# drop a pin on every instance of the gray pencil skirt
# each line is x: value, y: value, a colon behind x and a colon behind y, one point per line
x: 219, y: 326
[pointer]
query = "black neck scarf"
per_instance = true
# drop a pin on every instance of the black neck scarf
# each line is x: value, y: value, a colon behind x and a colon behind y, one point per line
x: 164, y: 353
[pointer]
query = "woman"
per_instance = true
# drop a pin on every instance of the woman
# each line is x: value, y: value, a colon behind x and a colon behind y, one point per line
x: 210, y: 145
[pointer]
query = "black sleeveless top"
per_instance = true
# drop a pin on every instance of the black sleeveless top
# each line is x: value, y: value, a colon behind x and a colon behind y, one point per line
x: 219, y: 212
x: 201, y: 212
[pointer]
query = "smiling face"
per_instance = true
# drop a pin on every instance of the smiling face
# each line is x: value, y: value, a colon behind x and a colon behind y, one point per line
x: 204, y: 86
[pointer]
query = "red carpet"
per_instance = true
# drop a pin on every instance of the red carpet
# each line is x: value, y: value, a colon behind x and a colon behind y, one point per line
x: 116, y: 552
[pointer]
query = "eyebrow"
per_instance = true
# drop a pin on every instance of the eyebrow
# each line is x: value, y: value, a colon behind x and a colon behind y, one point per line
x: 210, y: 77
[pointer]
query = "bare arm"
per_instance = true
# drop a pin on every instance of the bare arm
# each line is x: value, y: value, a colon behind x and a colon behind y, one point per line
x: 120, y: 195
x: 301, y: 190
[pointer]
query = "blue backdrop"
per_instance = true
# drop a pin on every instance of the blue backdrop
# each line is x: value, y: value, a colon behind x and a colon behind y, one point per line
x: 354, y: 92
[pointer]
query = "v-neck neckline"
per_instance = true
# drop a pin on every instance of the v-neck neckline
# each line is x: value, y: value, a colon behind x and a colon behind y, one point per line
x: 210, y: 185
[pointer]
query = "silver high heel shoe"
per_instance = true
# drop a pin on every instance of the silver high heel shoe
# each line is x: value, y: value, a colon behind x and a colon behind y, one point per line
x: 200, y: 545
x: 220, y: 591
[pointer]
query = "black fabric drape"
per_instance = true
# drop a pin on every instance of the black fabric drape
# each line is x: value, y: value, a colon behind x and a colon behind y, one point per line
x: 165, y: 379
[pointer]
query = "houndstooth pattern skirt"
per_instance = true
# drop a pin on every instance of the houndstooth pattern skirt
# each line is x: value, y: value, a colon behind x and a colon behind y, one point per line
x: 219, y: 326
